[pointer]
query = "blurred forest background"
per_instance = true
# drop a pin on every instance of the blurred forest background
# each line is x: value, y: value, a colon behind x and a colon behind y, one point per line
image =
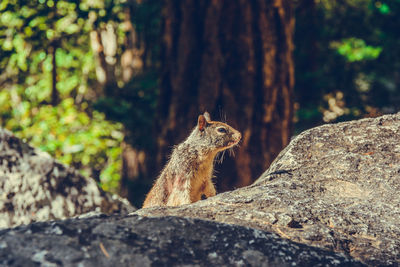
x: 110, y: 86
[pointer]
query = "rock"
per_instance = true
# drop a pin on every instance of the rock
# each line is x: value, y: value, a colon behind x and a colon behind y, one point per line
x: 35, y: 187
x: 335, y: 186
x: 168, y: 241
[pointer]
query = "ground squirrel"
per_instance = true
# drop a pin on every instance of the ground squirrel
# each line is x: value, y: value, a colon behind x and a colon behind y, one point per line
x: 187, y: 176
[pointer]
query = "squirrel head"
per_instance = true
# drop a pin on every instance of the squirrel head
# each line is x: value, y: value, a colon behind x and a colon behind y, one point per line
x: 218, y: 136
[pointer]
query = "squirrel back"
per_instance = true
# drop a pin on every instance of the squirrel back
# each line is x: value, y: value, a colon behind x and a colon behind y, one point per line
x: 187, y: 176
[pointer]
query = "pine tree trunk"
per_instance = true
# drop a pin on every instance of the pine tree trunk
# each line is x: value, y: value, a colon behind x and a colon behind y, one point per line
x: 232, y: 58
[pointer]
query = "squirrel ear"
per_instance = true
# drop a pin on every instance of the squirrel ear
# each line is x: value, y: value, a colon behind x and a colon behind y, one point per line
x: 207, y: 116
x: 201, y: 122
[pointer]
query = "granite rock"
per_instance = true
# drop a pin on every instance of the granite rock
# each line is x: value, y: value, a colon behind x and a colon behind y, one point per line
x: 167, y: 241
x: 335, y: 186
x: 35, y: 187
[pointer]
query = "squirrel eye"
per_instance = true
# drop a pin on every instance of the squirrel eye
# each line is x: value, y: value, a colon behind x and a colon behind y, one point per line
x: 221, y: 130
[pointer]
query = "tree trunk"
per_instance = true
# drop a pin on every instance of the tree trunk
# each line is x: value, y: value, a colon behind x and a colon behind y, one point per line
x: 132, y: 183
x: 232, y: 58
x: 55, y: 98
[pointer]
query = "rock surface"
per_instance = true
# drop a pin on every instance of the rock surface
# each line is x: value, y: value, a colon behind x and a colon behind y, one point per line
x: 335, y: 186
x: 35, y: 187
x: 169, y: 241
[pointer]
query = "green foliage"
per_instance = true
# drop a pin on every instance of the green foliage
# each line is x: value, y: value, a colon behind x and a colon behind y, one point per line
x: 354, y: 49
x: 72, y: 131
x: 382, y: 7
x: 347, y: 48
x: 89, y: 143
x: 29, y: 27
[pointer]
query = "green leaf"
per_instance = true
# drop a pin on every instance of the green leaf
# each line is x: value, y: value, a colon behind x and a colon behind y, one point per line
x: 354, y: 49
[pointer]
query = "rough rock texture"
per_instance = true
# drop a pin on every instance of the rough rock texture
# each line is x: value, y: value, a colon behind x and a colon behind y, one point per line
x: 169, y: 241
x: 35, y: 187
x: 335, y: 186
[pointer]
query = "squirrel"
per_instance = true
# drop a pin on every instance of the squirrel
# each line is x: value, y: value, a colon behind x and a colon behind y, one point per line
x: 186, y: 178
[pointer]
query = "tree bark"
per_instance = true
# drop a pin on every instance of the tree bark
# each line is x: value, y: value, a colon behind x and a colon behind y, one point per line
x: 132, y: 183
x: 232, y: 58
x: 55, y: 98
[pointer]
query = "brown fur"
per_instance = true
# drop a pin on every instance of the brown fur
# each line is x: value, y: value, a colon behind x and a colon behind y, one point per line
x: 187, y: 176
